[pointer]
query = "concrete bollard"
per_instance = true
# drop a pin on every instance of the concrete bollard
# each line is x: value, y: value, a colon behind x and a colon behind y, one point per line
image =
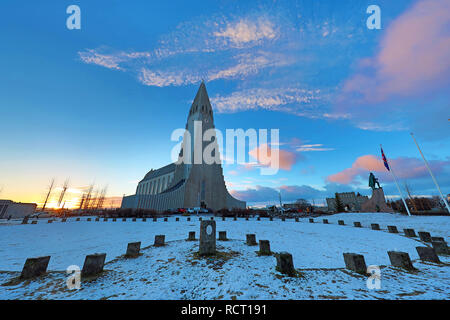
x: 440, y: 247
x: 78, y: 219
x: 159, y: 240
x: 188, y: 219
x: 25, y: 220
x: 246, y: 218
x: 105, y: 219
x: 144, y: 219
x: 200, y: 219
x: 409, y: 233
x: 234, y: 218
x: 357, y: 224
x: 191, y: 236
x: 165, y: 219
x: 341, y: 222
x: 271, y: 218
x: 325, y: 221
x: 93, y: 264
x: 133, y: 220
x: 258, y: 219
x: 133, y: 249
x: 223, y: 218
x: 427, y: 254
x: 285, y: 264
x: 207, y: 244
x: 311, y: 220
x: 424, y: 236
x: 50, y: 221
x: 155, y: 219
x: 251, y: 239
x: 223, y: 236
x: 34, y: 222
x: 89, y: 219
x: 124, y: 219
x: 296, y: 220
x: 400, y: 260
x: 34, y: 267
x: 177, y: 219
x: 264, y: 248
x: 97, y: 219
x: 392, y: 229
x: 355, y: 262
x: 375, y: 226
x: 63, y: 219
x: 114, y: 219
x: 283, y: 219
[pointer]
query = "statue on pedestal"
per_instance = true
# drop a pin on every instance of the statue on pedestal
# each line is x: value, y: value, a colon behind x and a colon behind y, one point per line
x: 373, y: 181
x: 376, y: 203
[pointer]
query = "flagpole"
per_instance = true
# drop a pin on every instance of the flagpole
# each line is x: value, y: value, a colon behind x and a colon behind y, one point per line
x: 398, y: 187
x: 431, y: 173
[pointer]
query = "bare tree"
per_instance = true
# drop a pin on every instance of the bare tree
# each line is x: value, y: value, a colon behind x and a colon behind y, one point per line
x: 50, y: 188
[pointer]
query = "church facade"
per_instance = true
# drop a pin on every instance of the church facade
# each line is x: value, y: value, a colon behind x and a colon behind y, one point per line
x: 187, y: 184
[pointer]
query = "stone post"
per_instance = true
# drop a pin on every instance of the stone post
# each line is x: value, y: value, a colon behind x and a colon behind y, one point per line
x: 341, y: 222
x: 93, y: 264
x: 155, y: 219
x: 355, y: 262
x: 78, y: 219
x: 34, y: 267
x: 133, y: 249
x: 188, y: 219
x: 34, y: 222
x: 97, y: 219
x: 440, y: 247
x: 207, y: 238
x: 159, y: 240
x: 63, y: 219
x: 357, y: 224
x: 223, y: 236
x: 400, y: 260
x: 212, y: 218
x: 89, y: 219
x: 425, y: 236
x: 134, y: 219
x: 285, y: 264
x: 264, y: 248
x: 375, y: 226
x: 283, y: 219
x: 258, y: 219
x: 105, y: 219
x: 251, y: 239
x: 427, y: 254
x: 392, y: 229
x: 223, y: 218
x: 246, y: 218
x: 296, y: 219
x: 271, y: 218
x: 191, y: 236
x: 144, y: 219
x: 200, y: 219
x: 165, y: 219
x: 50, y: 221
x: 177, y: 219
x: 325, y: 221
x: 410, y: 233
x: 25, y: 220
x: 311, y: 220
x: 114, y: 219
x: 124, y: 219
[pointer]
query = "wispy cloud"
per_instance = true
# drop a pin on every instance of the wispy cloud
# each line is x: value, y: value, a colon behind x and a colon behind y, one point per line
x: 313, y: 147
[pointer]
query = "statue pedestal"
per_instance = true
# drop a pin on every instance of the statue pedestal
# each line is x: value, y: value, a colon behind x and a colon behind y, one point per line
x: 377, y: 203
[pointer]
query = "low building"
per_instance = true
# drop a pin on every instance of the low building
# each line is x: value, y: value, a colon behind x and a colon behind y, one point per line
x: 350, y: 201
x: 11, y: 209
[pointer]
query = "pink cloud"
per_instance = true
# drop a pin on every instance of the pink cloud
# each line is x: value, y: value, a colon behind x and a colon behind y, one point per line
x: 413, y: 57
x: 405, y: 168
x: 286, y: 158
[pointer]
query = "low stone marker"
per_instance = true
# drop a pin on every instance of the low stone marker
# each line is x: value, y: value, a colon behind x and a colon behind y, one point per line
x: 264, y: 248
x: 212, y: 218
x: 34, y: 267
x: 375, y: 226
x: 25, y: 220
x: 357, y: 224
x: 409, y: 233
x: 223, y: 236
x: 159, y: 240
x: 285, y: 264
x: 424, y: 236
x: 207, y: 244
x: 311, y: 220
x: 78, y: 219
x: 325, y: 221
x: 133, y: 220
x: 114, y: 219
x: 296, y: 219
x: 223, y: 218
x: 155, y: 219
x: 234, y: 218
x: 200, y: 219
x: 188, y: 219
x: 105, y: 219
x: 271, y: 218
x: 177, y: 219
x: 392, y: 229
x: 165, y: 219
x: 400, y: 260
x: 97, y: 219
x: 427, y: 254
x: 258, y: 219
x: 144, y: 219
x: 355, y: 262
x: 63, y: 219
x: 50, y: 221
x: 251, y: 239
x: 124, y: 219
x: 341, y: 222
x: 191, y: 236
x: 133, y: 249
x: 283, y: 219
x: 93, y: 264
x: 34, y: 222
x: 89, y: 219
x: 246, y: 218
x: 440, y: 247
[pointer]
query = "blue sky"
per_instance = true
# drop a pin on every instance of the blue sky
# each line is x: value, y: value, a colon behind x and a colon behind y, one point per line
x: 98, y: 104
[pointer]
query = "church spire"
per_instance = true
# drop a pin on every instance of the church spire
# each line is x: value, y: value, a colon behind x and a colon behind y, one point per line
x: 201, y: 102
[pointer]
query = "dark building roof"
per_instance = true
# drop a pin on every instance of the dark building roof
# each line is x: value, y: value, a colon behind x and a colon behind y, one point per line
x: 159, y: 172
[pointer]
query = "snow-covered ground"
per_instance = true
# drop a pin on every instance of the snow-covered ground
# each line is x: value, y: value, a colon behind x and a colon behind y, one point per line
x: 173, y: 271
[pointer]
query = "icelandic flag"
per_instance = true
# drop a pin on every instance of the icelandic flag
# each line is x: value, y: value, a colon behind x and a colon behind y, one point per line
x: 385, y: 160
